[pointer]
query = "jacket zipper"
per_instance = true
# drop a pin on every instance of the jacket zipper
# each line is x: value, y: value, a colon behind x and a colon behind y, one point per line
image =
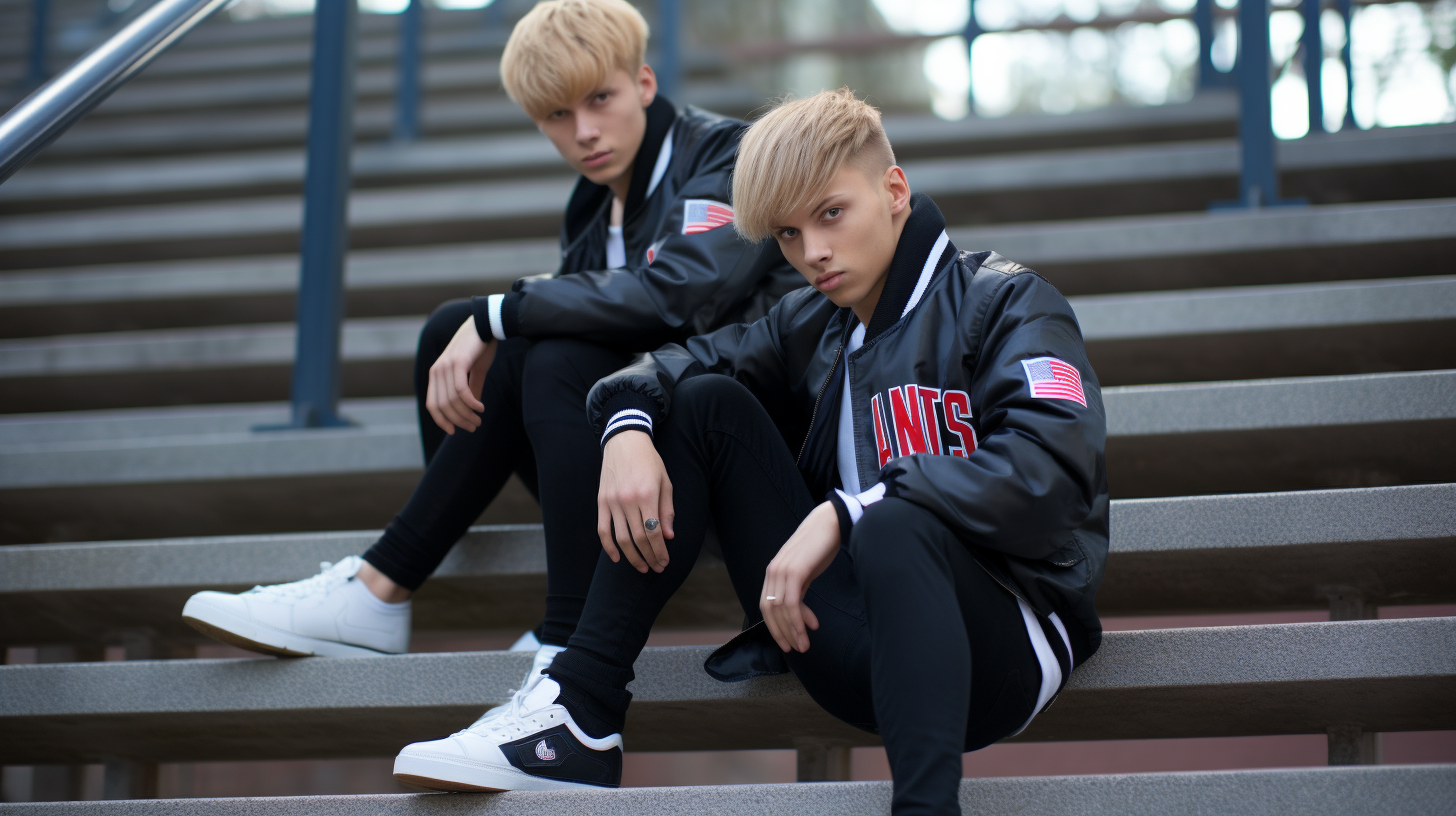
x: 833, y: 367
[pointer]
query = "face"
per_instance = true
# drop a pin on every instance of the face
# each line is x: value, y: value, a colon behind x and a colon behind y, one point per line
x: 843, y: 243
x: 599, y: 135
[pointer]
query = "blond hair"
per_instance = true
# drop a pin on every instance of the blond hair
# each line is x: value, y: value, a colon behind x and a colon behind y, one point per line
x: 563, y: 49
x: 788, y: 157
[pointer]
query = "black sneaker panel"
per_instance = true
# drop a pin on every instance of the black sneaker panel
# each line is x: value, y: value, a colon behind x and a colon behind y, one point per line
x: 556, y: 753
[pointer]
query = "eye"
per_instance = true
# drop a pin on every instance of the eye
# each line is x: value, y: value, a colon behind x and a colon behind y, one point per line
x: 601, y: 97
x: 833, y: 212
x: 560, y: 114
x: 788, y: 233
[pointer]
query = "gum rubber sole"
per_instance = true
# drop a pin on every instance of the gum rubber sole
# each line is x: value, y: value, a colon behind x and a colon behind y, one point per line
x: 229, y: 628
x: 426, y: 783
x: 235, y: 639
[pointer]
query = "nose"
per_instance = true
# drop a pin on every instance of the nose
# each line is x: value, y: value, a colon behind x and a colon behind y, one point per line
x: 816, y: 250
x: 587, y: 130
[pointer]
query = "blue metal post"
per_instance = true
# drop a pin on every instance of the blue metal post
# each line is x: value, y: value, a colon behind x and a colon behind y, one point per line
x: 39, y: 30
x: 325, y: 242
x: 1348, y: 15
x: 973, y: 30
x: 407, y: 89
x: 669, y: 55
x: 1259, y: 175
x: 1203, y: 21
x: 1314, y: 58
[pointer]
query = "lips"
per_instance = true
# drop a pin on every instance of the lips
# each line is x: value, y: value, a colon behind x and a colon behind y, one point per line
x: 597, y: 159
x: 828, y: 280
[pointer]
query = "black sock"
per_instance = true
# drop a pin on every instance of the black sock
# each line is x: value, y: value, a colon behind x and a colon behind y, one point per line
x: 594, y: 692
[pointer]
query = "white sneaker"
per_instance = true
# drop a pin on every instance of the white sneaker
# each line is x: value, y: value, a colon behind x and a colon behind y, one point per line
x: 544, y: 656
x: 526, y: 643
x: 331, y: 614
x: 535, y: 745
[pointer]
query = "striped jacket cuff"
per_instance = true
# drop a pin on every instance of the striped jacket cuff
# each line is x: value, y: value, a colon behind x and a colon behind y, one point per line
x: 629, y: 411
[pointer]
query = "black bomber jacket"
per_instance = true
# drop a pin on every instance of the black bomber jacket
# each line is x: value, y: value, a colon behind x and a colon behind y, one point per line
x: 959, y: 405
x: 687, y: 271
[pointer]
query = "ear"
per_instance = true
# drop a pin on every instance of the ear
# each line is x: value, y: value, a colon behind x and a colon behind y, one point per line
x: 646, y: 84
x: 898, y: 188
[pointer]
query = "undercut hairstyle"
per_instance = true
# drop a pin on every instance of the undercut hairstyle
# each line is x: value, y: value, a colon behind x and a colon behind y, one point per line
x: 788, y: 157
x: 564, y: 49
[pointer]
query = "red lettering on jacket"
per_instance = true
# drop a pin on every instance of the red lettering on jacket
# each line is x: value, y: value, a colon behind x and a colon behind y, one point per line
x: 929, y: 424
x: 957, y: 422
x: 905, y: 414
x: 882, y: 432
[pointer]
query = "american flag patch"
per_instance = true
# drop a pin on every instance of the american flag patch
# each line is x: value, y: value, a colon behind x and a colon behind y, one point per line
x: 702, y: 214
x: 1051, y: 378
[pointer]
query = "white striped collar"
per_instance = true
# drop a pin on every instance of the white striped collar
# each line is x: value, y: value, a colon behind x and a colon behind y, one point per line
x: 927, y: 272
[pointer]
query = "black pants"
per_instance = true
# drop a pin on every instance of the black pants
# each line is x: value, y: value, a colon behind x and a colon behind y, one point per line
x: 534, y: 424
x: 915, y: 639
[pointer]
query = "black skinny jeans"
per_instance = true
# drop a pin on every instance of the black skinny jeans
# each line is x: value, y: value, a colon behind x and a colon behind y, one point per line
x: 534, y: 424
x: 915, y: 639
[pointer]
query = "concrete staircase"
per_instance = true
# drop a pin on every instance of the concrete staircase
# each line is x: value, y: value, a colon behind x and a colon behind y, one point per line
x: 1281, y: 392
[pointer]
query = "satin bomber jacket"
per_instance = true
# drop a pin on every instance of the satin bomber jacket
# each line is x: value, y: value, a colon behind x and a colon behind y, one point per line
x: 944, y: 409
x: 687, y: 271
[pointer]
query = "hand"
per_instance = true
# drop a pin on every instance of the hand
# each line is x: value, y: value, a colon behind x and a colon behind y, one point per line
x: 804, y: 557
x: 453, y: 395
x: 634, y: 488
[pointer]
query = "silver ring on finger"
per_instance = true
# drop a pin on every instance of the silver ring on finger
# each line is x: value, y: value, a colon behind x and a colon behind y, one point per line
x: 770, y: 597
x: 650, y: 524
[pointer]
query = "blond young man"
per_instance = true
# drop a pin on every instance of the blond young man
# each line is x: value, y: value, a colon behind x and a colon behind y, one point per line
x: 501, y: 381
x: 942, y: 404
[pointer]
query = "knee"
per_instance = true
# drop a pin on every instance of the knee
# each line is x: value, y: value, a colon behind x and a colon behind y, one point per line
x: 555, y: 354
x: 886, y: 537
x: 711, y: 390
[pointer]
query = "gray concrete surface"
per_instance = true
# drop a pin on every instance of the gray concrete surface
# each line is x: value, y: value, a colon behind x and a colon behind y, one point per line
x: 1411, y: 790
x: 1234, y: 333
x: 1002, y: 188
x: 913, y: 135
x: 190, y: 471
x: 1417, y: 790
x: 1275, y: 679
x: 1149, y: 253
x: 1229, y: 248
x: 1393, y: 545
x: 198, y: 293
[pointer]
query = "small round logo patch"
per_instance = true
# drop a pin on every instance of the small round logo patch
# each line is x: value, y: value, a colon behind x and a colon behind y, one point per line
x: 545, y: 752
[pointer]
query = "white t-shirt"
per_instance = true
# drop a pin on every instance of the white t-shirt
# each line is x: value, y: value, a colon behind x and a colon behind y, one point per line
x: 616, y: 248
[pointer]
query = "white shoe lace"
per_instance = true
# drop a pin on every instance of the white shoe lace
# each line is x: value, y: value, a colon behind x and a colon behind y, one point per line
x: 513, y: 721
x: 330, y: 577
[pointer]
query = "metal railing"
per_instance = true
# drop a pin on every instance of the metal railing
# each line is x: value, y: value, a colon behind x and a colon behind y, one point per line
x: 52, y: 109
x: 48, y: 112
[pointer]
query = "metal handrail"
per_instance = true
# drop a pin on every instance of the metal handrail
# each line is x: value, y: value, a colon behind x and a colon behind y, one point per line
x: 57, y: 105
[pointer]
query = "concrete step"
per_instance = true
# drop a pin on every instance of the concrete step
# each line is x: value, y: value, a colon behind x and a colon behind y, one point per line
x: 1404, y: 163
x: 144, y: 181
x: 43, y: 186
x: 179, y: 133
x: 1373, y: 546
x: 1229, y: 248
x: 412, y: 280
x: 1145, y: 253
x: 1238, y: 333
x: 1341, y: 791
x: 1390, y: 675
x: 168, y: 472
x: 236, y: 92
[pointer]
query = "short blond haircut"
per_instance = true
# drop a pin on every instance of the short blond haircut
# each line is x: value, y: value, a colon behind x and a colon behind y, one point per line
x: 788, y: 157
x: 563, y: 49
